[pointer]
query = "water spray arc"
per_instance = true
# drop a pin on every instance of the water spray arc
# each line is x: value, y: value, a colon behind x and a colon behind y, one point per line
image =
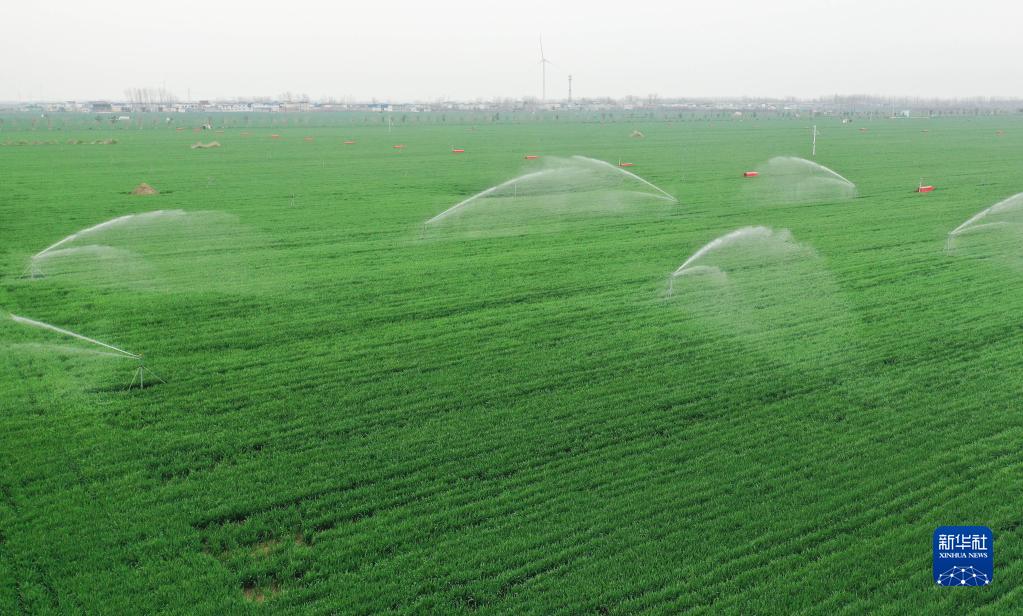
x: 789, y: 180
x: 568, y: 176
x: 745, y: 233
x: 140, y: 371
x: 510, y: 183
x: 33, y: 270
x: 1014, y: 202
x: 1002, y: 205
x: 812, y: 165
x: 662, y: 194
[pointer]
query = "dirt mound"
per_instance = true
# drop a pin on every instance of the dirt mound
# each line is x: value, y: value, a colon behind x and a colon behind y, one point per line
x: 199, y: 145
x: 145, y: 189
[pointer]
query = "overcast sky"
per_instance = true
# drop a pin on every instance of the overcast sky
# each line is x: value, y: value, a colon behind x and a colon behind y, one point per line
x: 419, y: 50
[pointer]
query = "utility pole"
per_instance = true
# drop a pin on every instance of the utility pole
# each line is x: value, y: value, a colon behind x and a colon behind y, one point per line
x: 570, y: 88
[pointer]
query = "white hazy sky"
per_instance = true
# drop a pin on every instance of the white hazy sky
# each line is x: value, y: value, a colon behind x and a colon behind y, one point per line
x: 467, y: 49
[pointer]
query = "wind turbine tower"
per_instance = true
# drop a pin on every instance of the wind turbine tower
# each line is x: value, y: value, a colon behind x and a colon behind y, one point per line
x: 543, y: 71
x: 570, y: 88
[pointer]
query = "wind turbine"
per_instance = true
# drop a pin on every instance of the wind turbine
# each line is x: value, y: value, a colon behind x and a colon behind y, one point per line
x: 543, y: 70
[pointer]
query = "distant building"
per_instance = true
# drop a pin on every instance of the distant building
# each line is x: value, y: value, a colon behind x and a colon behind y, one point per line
x: 102, y: 107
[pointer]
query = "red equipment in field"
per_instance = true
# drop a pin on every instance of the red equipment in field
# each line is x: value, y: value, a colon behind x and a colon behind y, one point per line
x: 923, y: 189
x: 275, y: 136
x: 621, y: 164
x: 400, y: 146
x: 531, y: 157
x: 457, y: 150
x: 349, y: 142
x: 750, y: 174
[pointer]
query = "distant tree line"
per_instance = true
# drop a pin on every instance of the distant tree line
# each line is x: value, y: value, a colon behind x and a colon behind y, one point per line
x: 148, y: 98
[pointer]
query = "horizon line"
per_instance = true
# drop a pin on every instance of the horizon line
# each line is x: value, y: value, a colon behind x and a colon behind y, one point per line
x: 628, y: 98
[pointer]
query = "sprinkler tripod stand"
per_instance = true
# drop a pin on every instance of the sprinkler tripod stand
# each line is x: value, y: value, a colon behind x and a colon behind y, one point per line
x: 140, y: 375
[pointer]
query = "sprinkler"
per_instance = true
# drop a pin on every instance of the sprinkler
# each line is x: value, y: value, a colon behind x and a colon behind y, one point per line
x: 140, y: 374
x: 140, y: 371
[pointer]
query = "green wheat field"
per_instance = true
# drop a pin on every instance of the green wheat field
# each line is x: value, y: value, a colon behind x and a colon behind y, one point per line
x: 518, y: 409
